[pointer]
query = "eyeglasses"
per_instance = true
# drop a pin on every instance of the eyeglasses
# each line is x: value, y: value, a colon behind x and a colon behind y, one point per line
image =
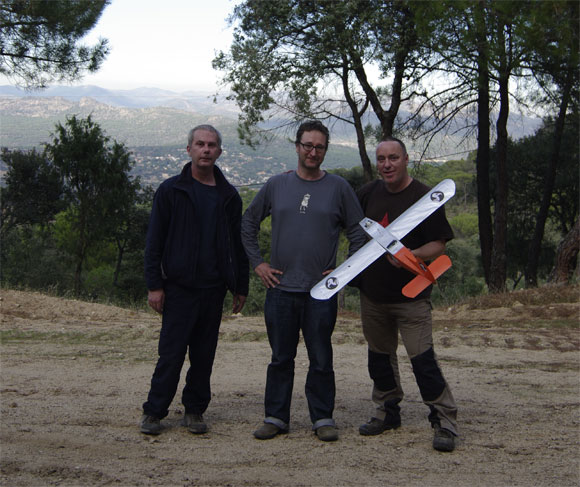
x: 309, y: 147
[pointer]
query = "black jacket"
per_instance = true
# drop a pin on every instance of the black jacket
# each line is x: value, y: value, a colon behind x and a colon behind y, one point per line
x: 172, y: 246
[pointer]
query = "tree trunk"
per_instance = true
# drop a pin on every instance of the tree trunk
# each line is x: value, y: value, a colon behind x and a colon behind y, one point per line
x: 549, y: 181
x: 362, y: 151
x: 341, y: 300
x: 120, y: 253
x: 567, y: 256
x: 498, y: 268
x: 79, y: 269
x: 408, y: 42
x: 81, y: 251
x: 357, y: 117
x: 482, y: 158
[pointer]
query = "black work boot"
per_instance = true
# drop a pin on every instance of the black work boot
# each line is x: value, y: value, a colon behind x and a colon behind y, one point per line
x: 194, y: 423
x: 376, y: 426
x: 150, y: 425
x: 443, y: 440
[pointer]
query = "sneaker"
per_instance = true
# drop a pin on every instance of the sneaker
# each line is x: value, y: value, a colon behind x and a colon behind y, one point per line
x: 194, y: 423
x: 268, y: 430
x: 327, y: 433
x: 376, y: 426
x: 443, y: 440
x: 150, y: 425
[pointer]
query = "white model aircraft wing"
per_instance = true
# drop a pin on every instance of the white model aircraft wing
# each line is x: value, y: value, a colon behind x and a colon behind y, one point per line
x: 344, y: 273
x: 422, y: 208
x: 383, y: 239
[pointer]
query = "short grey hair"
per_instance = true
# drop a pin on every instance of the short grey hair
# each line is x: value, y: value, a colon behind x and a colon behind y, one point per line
x: 209, y: 128
x: 389, y: 138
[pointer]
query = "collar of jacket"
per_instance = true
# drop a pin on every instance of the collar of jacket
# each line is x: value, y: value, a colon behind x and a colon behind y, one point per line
x: 225, y: 189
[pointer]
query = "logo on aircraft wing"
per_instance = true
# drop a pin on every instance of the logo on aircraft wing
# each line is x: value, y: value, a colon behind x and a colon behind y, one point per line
x: 437, y: 196
x: 331, y: 283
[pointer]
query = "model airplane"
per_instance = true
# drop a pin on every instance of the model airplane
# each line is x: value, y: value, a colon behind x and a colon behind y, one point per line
x: 389, y: 240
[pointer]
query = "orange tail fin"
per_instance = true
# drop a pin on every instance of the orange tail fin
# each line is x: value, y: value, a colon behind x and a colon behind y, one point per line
x: 436, y: 268
x: 413, y: 264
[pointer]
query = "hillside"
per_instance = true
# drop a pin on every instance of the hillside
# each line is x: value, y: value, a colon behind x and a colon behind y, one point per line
x: 74, y: 376
x: 157, y: 137
x: 153, y: 124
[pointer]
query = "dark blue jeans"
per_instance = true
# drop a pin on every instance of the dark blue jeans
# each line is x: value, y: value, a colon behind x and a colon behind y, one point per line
x: 191, y: 320
x: 286, y: 313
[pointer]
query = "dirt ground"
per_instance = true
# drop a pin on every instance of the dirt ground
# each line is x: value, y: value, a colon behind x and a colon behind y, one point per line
x: 74, y: 376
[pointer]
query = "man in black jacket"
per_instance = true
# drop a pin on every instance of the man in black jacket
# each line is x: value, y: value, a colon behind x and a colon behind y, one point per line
x: 193, y: 255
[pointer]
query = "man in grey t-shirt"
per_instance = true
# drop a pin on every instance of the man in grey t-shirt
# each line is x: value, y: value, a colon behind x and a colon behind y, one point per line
x: 308, y: 208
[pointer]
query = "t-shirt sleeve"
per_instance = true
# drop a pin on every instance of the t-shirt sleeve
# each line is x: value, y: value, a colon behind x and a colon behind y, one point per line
x: 258, y: 210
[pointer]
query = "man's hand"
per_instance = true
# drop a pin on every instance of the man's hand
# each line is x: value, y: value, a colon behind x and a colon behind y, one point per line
x: 393, y: 261
x: 156, y: 298
x: 239, y: 302
x: 268, y: 274
x: 426, y: 252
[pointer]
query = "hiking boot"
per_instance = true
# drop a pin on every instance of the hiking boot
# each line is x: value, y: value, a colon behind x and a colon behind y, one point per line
x: 327, y: 433
x: 267, y: 431
x: 376, y: 426
x: 150, y: 425
x: 443, y: 440
x: 194, y: 423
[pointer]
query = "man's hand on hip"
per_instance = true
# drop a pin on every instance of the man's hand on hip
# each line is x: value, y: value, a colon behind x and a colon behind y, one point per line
x: 268, y: 274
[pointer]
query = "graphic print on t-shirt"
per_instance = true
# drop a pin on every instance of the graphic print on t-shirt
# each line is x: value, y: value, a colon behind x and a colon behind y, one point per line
x: 304, y: 203
x: 385, y: 221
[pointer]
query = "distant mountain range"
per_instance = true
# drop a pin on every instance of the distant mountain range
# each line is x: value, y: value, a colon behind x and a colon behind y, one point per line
x: 155, y: 133
x: 153, y: 124
x: 202, y: 102
x: 29, y: 121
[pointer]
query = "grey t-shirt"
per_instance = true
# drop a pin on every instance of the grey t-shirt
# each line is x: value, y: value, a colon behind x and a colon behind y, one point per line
x: 307, y: 217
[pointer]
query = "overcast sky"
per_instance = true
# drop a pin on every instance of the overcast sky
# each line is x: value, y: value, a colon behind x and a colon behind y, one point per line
x: 161, y: 43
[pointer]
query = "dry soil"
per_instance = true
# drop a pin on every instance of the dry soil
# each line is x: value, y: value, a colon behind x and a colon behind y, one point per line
x: 74, y: 376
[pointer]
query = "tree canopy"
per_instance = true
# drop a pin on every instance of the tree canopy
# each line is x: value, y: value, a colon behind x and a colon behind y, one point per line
x: 99, y: 187
x: 312, y: 59
x: 418, y: 69
x: 33, y: 192
x: 40, y: 40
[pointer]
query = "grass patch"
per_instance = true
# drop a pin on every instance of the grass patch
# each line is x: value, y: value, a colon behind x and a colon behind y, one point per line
x: 541, y: 296
x: 555, y: 324
x: 68, y: 337
x: 553, y: 367
x: 247, y: 336
x: 20, y: 336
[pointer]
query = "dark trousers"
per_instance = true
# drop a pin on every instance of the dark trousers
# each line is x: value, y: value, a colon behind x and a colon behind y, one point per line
x: 286, y: 313
x: 382, y: 323
x: 191, y: 320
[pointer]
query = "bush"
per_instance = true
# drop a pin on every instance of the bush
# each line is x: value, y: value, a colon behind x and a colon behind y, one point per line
x: 98, y: 282
x: 31, y: 259
x: 465, y: 225
x: 465, y: 278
